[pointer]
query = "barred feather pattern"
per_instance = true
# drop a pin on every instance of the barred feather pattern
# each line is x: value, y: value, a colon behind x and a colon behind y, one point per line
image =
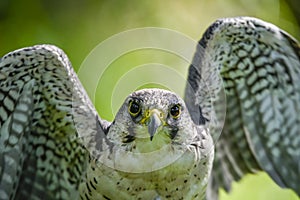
x: 42, y: 157
x: 260, y: 68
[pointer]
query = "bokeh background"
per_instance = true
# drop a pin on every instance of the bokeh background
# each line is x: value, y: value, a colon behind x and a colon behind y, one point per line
x: 79, y: 26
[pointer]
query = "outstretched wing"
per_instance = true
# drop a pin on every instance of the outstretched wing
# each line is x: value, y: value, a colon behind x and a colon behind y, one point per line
x: 259, y: 65
x: 43, y: 151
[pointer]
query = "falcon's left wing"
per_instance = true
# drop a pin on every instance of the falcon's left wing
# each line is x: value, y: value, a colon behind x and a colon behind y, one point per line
x: 259, y: 65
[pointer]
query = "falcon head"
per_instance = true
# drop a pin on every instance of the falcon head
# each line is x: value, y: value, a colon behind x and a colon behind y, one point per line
x: 150, y: 119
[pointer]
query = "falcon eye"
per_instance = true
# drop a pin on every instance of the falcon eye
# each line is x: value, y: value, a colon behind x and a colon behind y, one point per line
x: 134, y: 107
x: 175, y: 111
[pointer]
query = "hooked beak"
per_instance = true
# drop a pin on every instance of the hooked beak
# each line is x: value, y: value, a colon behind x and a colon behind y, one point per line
x: 154, y: 122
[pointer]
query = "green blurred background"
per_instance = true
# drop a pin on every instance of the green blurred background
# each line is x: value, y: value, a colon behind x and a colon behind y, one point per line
x: 78, y: 26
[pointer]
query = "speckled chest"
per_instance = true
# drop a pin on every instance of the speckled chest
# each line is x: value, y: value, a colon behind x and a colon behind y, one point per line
x: 186, y: 178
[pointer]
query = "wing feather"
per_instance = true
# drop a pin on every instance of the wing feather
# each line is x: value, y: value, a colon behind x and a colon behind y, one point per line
x: 44, y: 109
x: 259, y: 65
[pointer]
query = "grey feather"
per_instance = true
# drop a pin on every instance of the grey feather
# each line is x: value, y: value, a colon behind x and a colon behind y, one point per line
x: 260, y: 68
x: 38, y: 137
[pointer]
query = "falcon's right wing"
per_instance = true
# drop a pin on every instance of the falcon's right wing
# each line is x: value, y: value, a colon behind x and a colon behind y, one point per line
x: 48, y: 126
x: 259, y: 65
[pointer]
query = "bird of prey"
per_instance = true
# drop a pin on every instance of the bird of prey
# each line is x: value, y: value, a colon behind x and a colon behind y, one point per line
x: 55, y: 146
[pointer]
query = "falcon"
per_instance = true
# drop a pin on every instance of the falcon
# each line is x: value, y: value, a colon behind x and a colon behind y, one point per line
x: 243, y: 82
